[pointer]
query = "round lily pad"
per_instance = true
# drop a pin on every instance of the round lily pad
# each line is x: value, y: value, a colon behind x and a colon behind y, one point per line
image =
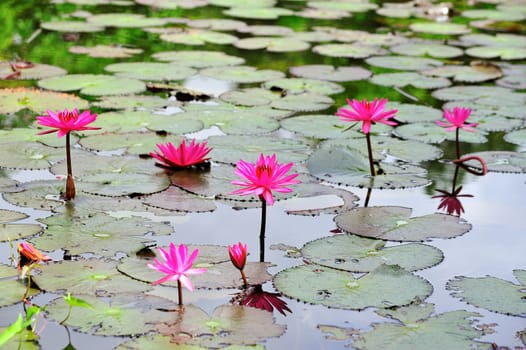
x: 106, y: 51
x: 385, y: 286
x: 502, y: 52
x: 155, y: 342
x: 112, y: 184
x: 492, y: 293
x: 14, y: 100
x: 403, y: 62
x: 427, y: 49
x: 218, y: 24
x: 192, y: 36
x: 358, y: 254
x: 150, y: 71
x: 173, y: 4
x: 331, y: 73
x: 410, y: 78
x: 300, y: 85
x: 241, y: 74
x: 494, y: 14
x: 267, y: 30
x: 500, y: 161
x: 72, y: 26
x: 132, y: 143
x: 470, y: 92
x: 243, y: 3
x: 10, y: 231
x: 355, y: 6
x: 395, y: 224
x: 133, y: 102
x: 272, y: 44
x: 44, y: 194
x: 303, y: 102
x: 471, y: 74
x: 13, y: 292
x: 319, y: 126
x: 250, y: 97
x: 517, y: 137
x: 199, y: 58
x: 439, y: 28
x: 93, y: 84
x: 412, y: 113
x: 125, y: 20
x: 35, y: 71
x: 432, y: 133
x: 322, y: 13
x: 501, y: 39
x: 258, y: 12
x: 177, y: 199
x: 348, y: 50
x: 29, y: 155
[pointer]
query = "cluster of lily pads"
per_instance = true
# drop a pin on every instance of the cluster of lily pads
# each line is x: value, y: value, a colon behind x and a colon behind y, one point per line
x: 262, y: 110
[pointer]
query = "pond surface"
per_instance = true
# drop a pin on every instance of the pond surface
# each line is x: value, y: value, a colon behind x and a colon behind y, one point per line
x: 218, y: 70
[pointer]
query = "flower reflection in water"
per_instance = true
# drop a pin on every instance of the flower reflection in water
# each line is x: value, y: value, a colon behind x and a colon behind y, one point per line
x: 450, y: 202
x: 255, y: 296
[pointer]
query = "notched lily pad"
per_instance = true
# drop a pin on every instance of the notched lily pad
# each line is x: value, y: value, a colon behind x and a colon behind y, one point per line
x: 439, y: 28
x: 193, y: 36
x: 410, y: 78
x: 199, y: 58
x: 258, y: 12
x: 319, y: 126
x: 72, y: 26
x: 348, y: 50
x: 13, y: 291
x: 395, y: 224
x: 106, y: 51
x: 475, y: 72
x: 29, y: 155
x: 301, y: 85
x: 432, y: 133
x: 331, y: 73
x: 403, y: 62
x: 34, y: 71
x: 340, y: 289
x: 500, y: 161
x: 115, y: 185
x: 125, y: 20
x: 93, y: 84
x: 241, y: 74
x: 150, y: 71
x: 156, y: 342
x: 272, y: 44
x: 179, y: 200
x: 10, y: 231
x: 432, y: 49
x: 250, y: 97
x: 14, y: 100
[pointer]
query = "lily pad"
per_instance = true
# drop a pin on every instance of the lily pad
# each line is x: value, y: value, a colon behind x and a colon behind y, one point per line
x: 439, y: 28
x: 173, y: 4
x: 133, y: 102
x: 303, y: 102
x: 272, y: 44
x: 29, y: 155
x: 258, y: 12
x: 410, y: 78
x: 494, y: 15
x: 116, y: 316
x: 395, y: 224
x: 517, y: 137
x: 500, y: 161
x: 150, y: 71
x: 243, y: 3
x: 432, y: 133
x: 473, y: 73
x: 106, y: 51
x: 112, y: 184
x: 330, y: 73
x: 358, y: 254
x: 492, y: 293
x: 99, y: 233
x: 222, y: 24
x: 92, y: 276
x: 502, y: 52
x: 427, y: 49
x: 13, y: 291
x: 319, y: 126
x: 155, y: 342
x: 250, y: 97
x: 241, y: 74
x: 300, y: 85
x: 412, y: 113
x: 348, y: 50
x: 35, y: 71
x: 43, y: 195
x: 92, y: 164
x: 471, y: 92
x: 340, y: 289
x: 10, y: 231
x: 354, y: 6
x: 72, y: 26
x: 403, y: 62
x: 199, y: 58
x: 93, y: 84
x: 179, y: 200
x: 125, y: 20
x: 504, y: 39
x: 267, y: 30
x: 132, y: 143
x: 14, y: 100
x: 192, y: 36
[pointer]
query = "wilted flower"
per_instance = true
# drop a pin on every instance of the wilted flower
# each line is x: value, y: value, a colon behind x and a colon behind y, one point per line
x: 182, y: 156
x: 29, y: 254
x: 368, y: 113
x: 65, y: 121
x: 456, y: 119
x: 258, y: 298
x: 262, y: 178
x: 177, y: 264
x: 238, y: 255
x: 450, y: 202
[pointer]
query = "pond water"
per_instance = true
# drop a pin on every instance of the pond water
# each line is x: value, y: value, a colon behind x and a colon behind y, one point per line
x: 124, y: 198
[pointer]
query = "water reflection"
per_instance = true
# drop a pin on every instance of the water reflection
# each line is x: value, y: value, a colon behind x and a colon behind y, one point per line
x: 255, y: 296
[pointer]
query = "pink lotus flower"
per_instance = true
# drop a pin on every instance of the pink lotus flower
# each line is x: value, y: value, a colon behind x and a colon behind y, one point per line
x: 238, y: 255
x: 30, y: 254
x: 177, y: 264
x: 258, y: 298
x: 64, y: 121
x: 182, y: 156
x: 450, y: 202
x: 262, y: 178
x: 456, y: 119
x: 369, y: 113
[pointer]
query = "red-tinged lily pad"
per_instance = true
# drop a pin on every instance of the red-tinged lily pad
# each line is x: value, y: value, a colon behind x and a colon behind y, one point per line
x: 317, y: 284
x: 228, y: 324
x: 117, y: 316
x: 93, y: 84
x: 396, y: 224
x: 35, y: 71
x: 302, y: 85
x: 331, y: 73
x: 10, y: 231
x: 491, y: 293
x: 179, y: 200
x: 272, y: 44
x: 14, y: 100
x: 241, y: 74
x: 106, y: 51
x: 220, y: 271
x: 416, y: 80
x: 199, y: 58
x: 150, y: 71
x: 92, y: 276
x: 403, y: 62
x: 499, y: 161
x: 98, y: 233
x: 348, y: 50
x: 359, y: 254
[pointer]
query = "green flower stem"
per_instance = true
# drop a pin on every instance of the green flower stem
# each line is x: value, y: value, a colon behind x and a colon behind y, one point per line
x: 370, y: 152
x: 67, y: 317
x: 262, y: 231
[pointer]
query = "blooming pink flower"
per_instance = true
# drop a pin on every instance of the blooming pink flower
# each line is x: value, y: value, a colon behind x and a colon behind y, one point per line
x: 65, y: 121
x: 456, y: 119
x: 177, y: 264
x: 258, y: 298
x: 238, y: 255
x: 368, y: 113
x: 450, y: 202
x: 182, y: 156
x: 29, y: 254
x: 262, y: 178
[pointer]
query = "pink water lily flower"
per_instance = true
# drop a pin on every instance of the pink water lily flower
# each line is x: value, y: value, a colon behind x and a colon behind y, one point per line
x: 262, y: 178
x: 177, y: 264
x: 182, y: 156
x: 456, y: 119
x: 65, y: 121
x: 238, y: 255
x: 368, y: 113
x: 28, y: 254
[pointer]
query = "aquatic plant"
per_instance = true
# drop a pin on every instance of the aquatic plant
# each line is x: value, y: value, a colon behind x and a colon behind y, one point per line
x: 238, y: 256
x: 183, y: 156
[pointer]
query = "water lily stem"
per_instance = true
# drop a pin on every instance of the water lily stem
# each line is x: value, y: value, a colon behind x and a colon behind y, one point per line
x: 180, y: 292
x: 70, y: 184
x: 262, y: 231
x: 457, y: 142
x: 367, y: 197
x: 245, y: 282
x: 370, y: 152
x: 67, y: 316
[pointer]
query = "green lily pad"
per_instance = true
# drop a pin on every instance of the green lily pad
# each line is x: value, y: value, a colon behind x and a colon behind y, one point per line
x: 106, y: 51
x: 319, y: 126
x: 222, y: 24
x: 512, y: 78
x: 155, y: 342
x: 403, y: 62
x: 14, y: 100
x: 502, y: 52
x: 470, y: 74
x: 133, y: 102
x: 116, y: 316
x: 500, y: 161
x: 99, y: 233
x: 272, y: 44
x: 300, y: 85
x: 258, y: 12
x: 410, y: 78
x: 432, y: 133
x: 241, y: 74
x: 504, y: 39
x: 471, y: 92
x: 72, y: 26
x: 173, y: 4
x: 491, y: 293
x: 490, y: 121
x: 348, y: 50
x: 267, y: 30
x: 112, y: 184
x: 412, y: 113
x: 29, y: 155
x: 228, y: 324
x: 395, y: 224
x: 125, y: 20
x: 494, y: 14
x: 358, y: 254
x: 92, y: 276
x: 179, y: 200
x: 199, y: 58
x: 220, y: 271
x: 36, y: 71
x: 243, y: 3
x: 354, y: 6
x: 439, y: 28
x: 250, y: 97
x: 10, y: 231
x: 150, y: 71
x: 13, y: 291
x: 432, y: 49
x: 303, y: 102
x: 90, y: 163
x: 330, y: 73
x: 93, y: 84
x: 132, y: 143
x: 517, y: 137
x: 311, y: 36
x: 43, y: 195
x: 30, y: 135
x: 192, y: 36
x: 322, y: 14
x: 344, y: 165
x: 340, y: 289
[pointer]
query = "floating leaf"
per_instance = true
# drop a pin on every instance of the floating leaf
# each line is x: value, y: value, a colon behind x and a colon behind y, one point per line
x: 267, y: 30
x: 10, y: 231
x: 150, y: 71
x: 395, y: 224
x: 358, y: 254
x: 44, y: 194
x: 193, y: 36
x: 517, y: 137
x: 93, y: 84
x: 35, y: 71
x: 470, y: 92
x: 173, y: 4
x: 414, y: 79
x: 439, y: 28
x: 476, y: 72
x: 322, y: 14
x: 348, y: 50
x: 303, y: 102
x: 340, y: 289
x: 91, y: 276
x: 72, y: 26
x: 29, y: 155
x: 133, y: 102
x: 243, y: 3
x: 14, y: 100
x: 494, y: 14
x: 30, y: 135
x: 217, y: 24
x: 155, y: 342
x: 133, y: 143
x: 432, y: 49
x: 176, y: 199
x: 13, y: 291
x: 116, y: 316
x: 272, y: 44
x: 506, y: 40
x: 355, y: 6
x: 500, y: 161
x: 258, y: 12
x: 241, y: 74
x: 319, y: 126
x: 199, y: 58
x: 411, y: 113
x: 491, y: 293
x: 125, y: 20
x: 403, y: 62
x: 250, y: 97
x: 106, y: 51
x: 299, y: 85
x: 328, y: 72
x: 112, y: 184
x: 502, y: 52
x: 432, y: 133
